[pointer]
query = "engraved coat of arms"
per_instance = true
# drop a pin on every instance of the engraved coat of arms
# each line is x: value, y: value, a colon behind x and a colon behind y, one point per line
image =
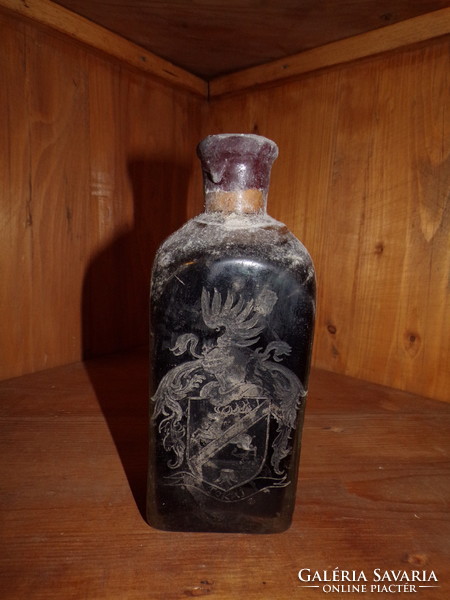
x: 226, y: 415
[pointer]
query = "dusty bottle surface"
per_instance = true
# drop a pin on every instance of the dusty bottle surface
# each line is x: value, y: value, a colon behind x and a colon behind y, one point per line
x: 232, y: 313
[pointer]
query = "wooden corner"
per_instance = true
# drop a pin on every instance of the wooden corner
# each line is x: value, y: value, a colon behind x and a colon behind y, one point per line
x: 77, y: 27
x: 391, y: 37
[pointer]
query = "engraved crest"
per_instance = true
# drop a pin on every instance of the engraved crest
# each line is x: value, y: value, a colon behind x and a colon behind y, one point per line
x: 227, y: 414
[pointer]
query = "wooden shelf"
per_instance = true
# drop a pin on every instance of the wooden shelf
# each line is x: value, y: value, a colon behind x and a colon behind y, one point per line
x: 373, y: 493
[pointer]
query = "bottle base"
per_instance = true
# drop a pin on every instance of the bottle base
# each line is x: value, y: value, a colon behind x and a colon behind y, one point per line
x: 216, y: 523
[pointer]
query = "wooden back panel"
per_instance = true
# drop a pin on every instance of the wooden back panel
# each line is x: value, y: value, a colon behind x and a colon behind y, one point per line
x: 363, y: 179
x: 96, y: 160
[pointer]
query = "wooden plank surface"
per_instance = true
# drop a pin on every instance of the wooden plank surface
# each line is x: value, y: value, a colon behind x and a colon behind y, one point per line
x: 97, y: 164
x: 212, y: 37
x: 411, y: 31
x: 374, y: 493
x: 94, y: 171
x: 77, y: 27
x: 16, y: 238
x: 363, y: 179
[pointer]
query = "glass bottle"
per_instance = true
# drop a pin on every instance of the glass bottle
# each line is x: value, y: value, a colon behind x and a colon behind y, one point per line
x: 232, y: 313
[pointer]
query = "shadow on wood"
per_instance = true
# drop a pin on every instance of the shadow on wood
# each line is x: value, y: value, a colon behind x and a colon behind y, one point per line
x: 115, y: 309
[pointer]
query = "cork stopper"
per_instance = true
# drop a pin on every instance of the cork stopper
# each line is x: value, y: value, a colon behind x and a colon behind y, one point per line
x: 236, y: 172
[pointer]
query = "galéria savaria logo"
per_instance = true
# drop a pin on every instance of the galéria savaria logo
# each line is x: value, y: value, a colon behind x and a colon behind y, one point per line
x: 389, y: 581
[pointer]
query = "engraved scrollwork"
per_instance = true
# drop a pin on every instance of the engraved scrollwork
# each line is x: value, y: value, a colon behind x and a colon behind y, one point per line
x: 214, y: 411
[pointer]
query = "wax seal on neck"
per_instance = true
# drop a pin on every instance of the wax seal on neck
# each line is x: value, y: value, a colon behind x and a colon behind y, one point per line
x: 236, y: 163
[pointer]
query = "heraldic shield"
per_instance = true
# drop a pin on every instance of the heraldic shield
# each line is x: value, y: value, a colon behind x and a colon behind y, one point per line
x: 227, y: 449
x: 226, y: 415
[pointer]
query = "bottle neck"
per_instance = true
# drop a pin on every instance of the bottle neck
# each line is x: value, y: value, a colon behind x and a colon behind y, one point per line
x: 248, y: 201
x: 236, y: 172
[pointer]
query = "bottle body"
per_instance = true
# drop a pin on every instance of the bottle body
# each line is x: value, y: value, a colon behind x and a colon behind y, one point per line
x: 232, y: 313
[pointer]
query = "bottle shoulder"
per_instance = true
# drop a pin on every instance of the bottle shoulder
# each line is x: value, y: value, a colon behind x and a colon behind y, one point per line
x: 216, y: 233
x: 217, y: 236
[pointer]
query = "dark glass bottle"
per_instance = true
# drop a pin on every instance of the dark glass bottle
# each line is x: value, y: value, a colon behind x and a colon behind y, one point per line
x: 232, y: 313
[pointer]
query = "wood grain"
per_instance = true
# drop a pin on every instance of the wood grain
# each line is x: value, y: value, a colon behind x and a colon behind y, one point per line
x: 214, y: 37
x: 99, y: 160
x: 15, y: 221
x: 60, y: 19
x: 411, y: 31
x: 95, y: 172
x: 363, y: 178
x: 373, y: 493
